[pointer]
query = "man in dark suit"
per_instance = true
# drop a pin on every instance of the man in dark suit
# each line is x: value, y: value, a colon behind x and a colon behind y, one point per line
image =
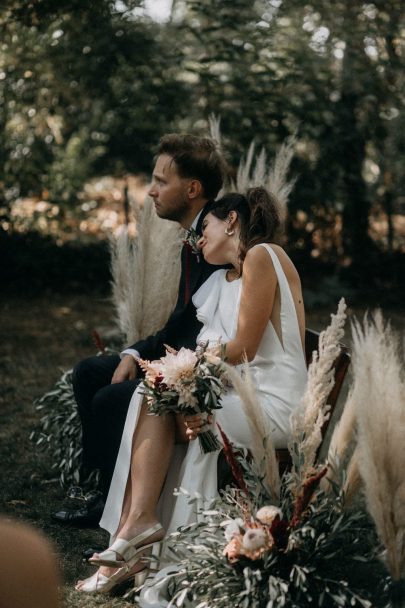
x: 187, y: 177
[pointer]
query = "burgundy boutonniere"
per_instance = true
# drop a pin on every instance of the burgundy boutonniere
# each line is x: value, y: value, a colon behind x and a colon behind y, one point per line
x: 191, y: 241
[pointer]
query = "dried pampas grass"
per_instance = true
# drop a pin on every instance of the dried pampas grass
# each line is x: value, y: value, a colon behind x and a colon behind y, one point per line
x: 352, y: 483
x: 308, y: 419
x: 262, y: 448
x: 343, y: 436
x: 258, y: 172
x: 255, y: 169
x: 341, y: 452
x: 380, y: 403
x: 214, y: 123
x: 146, y: 272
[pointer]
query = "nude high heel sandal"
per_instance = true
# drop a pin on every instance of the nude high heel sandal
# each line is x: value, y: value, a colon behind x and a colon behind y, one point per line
x: 123, y: 552
x: 153, y: 565
x: 98, y: 583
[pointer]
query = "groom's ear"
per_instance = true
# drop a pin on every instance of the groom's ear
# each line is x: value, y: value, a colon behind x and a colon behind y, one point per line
x: 195, y: 189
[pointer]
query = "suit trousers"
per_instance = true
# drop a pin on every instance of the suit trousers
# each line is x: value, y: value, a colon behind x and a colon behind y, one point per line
x: 103, y: 409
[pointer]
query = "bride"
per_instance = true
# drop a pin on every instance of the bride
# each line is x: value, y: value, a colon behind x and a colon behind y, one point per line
x: 256, y: 309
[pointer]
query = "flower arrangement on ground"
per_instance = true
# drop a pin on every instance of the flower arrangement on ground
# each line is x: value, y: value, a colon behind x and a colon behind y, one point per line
x: 185, y: 382
x: 309, y: 550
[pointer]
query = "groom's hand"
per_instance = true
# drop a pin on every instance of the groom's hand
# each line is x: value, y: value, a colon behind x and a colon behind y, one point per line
x: 126, y: 370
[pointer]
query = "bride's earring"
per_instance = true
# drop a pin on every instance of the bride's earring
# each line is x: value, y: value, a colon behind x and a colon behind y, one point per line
x: 229, y: 232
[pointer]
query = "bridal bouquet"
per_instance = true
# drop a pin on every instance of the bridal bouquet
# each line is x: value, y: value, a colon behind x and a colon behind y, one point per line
x: 185, y: 382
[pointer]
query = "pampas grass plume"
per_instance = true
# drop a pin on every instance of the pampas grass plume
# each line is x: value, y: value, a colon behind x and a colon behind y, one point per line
x: 146, y: 272
x: 257, y: 171
x: 343, y: 434
x: 308, y: 419
x: 262, y: 448
x: 380, y: 402
x: 214, y: 123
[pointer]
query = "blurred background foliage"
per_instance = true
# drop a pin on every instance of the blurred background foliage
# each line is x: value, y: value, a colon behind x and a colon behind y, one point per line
x: 87, y: 88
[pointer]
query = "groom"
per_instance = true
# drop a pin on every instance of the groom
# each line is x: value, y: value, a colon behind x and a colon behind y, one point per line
x: 187, y: 177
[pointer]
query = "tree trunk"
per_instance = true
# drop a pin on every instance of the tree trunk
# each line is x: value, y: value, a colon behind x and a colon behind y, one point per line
x: 356, y: 208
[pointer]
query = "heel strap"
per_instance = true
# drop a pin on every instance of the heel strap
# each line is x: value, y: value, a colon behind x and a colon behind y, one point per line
x: 127, y: 549
x: 145, y: 534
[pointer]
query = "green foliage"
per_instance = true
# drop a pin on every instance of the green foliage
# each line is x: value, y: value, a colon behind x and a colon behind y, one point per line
x: 60, y: 429
x: 331, y: 557
x: 60, y: 432
x: 87, y: 88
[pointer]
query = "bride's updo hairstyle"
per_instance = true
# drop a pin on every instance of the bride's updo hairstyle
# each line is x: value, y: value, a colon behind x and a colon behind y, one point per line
x: 259, y: 216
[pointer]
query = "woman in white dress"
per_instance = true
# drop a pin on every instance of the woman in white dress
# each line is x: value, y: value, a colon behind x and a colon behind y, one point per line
x: 258, y: 314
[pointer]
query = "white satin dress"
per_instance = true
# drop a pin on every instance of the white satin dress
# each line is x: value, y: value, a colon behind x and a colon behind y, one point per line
x: 279, y: 372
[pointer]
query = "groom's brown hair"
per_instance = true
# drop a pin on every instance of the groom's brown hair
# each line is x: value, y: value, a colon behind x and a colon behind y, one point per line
x: 197, y: 158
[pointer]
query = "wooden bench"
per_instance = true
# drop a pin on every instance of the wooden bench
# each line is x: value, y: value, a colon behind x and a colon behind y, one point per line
x: 341, y: 366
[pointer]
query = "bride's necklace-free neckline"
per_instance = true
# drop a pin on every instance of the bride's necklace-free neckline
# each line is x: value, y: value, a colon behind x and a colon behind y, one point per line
x: 232, y: 275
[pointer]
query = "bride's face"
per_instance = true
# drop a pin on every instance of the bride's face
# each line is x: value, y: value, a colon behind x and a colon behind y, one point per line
x: 214, y: 242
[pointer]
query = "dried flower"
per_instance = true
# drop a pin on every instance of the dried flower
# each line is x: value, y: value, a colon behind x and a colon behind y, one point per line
x: 139, y: 267
x: 98, y: 342
x: 253, y: 544
x: 233, y: 528
x: 152, y: 369
x: 380, y: 408
x: 233, y: 549
x: 178, y: 367
x: 232, y: 461
x: 305, y: 494
x: 267, y: 513
x: 261, y: 447
x: 254, y: 539
x: 213, y: 359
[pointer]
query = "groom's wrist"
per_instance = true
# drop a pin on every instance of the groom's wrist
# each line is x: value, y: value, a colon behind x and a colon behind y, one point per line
x: 131, y: 352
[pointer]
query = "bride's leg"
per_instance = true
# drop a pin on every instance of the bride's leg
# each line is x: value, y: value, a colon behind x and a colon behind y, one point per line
x: 152, y: 448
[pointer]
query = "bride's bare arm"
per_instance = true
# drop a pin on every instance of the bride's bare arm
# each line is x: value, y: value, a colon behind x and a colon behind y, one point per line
x: 259, y: 283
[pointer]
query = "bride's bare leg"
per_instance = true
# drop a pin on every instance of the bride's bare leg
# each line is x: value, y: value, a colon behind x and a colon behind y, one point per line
x: 179, y: 432
x: 152, y: 448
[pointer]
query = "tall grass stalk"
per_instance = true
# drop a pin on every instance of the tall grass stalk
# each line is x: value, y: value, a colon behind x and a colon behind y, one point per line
x: 380, y: 405
x: 308, y: 419
x: 262, y: 448
x: 145, y: 274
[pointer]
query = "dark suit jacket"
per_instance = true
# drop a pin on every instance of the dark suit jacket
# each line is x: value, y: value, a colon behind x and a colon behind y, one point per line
x: 182, y: 326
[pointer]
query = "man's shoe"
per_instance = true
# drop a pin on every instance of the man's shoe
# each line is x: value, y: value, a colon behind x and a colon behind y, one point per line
x: 87, y: 515
x: 90, y: 551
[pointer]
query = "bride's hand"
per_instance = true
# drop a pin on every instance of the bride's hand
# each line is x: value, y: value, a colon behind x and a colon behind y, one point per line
x: 194, y: 425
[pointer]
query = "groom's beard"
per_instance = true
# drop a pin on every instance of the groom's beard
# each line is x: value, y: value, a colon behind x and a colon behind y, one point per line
x: 176, y: 212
